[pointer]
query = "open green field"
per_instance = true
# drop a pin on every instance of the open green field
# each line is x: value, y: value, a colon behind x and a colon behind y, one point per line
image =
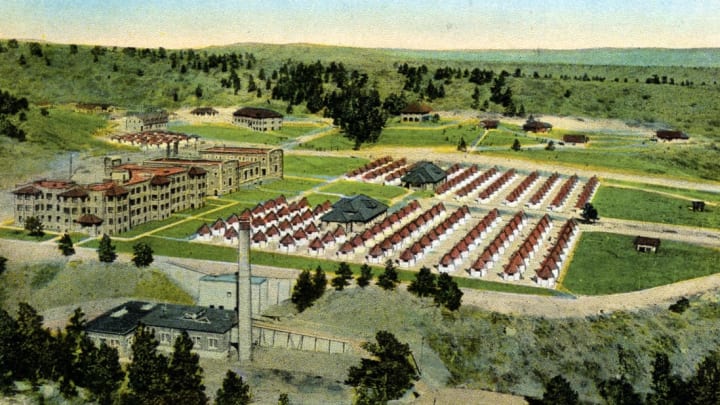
x: 21, y: 234
x: 684, y: 192
x: 506, y: 139
x: 231, y: 133
x: 330, y: 142
x: 605, y: 263
x: 320, y: 166
x: 426, y: 134
x: 377, y: 191
x: 624, y: 203
x: 318, y: 198
x: 684, y: 162
x: 291, y: 186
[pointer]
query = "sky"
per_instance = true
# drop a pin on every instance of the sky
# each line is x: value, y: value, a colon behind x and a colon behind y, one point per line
x: 411, y: 24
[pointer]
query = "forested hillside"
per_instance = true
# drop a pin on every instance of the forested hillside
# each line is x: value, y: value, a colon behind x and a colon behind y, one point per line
x: 662, y: 94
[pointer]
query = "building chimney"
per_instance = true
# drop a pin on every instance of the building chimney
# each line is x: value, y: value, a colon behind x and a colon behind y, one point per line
x: 244, y: 292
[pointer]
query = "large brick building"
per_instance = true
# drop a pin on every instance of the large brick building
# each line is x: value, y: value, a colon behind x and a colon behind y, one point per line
x: 270, y: 160
x: 133, y: 195
x: 223, y: 176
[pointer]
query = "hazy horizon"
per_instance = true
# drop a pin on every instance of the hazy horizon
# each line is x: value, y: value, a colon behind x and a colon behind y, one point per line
x: 408, y: 25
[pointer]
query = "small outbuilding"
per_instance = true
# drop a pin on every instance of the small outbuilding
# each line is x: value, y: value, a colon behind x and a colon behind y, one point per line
x: 490, y: 124
x: 415, y: 112
x: 575, y: 138
x: 424, y: 175
x: 535, y: 126
x: 671, y: 135
x: 645, y: 244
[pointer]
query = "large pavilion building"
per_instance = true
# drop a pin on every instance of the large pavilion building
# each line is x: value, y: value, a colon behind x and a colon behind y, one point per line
x: 258, y: 119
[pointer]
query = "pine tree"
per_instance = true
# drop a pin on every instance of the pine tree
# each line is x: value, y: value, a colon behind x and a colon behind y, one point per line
x: 142, y: 254
x: 704, y: 386
x: 101, y: 371
x: 106, y: 250
x: 33, y: 348
x: 619, y: 391
x: 3, y: 264
x: 365, y: 276
x: 666, y: 388
x: 234, y: 391
x: 65, y: 245
x: 185, y: 374
x: 516, y: 145
x: 389, y: 278
x: 344, y: 275
x: 303, y: 294
x: 387, y: 375
x: 558, y: 391
x: 448, y: 293
x: 9, y: 340
x: 147, y: 374
x: 284, y: 399
x: 424, y: 284
x: 462, y: 145
x: 319, y: 282
x: 34, y: 226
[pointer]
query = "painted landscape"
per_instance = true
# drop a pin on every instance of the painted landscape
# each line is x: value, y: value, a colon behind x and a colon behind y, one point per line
x: 391, y: 225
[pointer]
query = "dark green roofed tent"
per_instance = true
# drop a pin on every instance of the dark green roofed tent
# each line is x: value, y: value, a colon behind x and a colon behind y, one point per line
x: 358, y: 208
x: 424, y: 175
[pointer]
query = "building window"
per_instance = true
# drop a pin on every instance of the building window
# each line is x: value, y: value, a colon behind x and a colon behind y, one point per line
x: 212, y: 343
x: 196, y: 341
x: 165, y: 338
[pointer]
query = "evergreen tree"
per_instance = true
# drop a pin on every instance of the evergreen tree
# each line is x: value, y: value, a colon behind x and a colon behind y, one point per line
x: 589, y: 213
x: 142, y: 254
x: 550, y: 145
x: 343, y: 276
x: 666, y: 388
x: 106, y: 250
x: 303, y: 294
x: 65, y: 245
x: 424, y: 284
x: 448, y: 293
x: 365, y: 276
x: 147, y: 374
x: 387, y: 375
x: 389, y: 278
x: 185, y: 374
x: 476, y: 99
x: 234, y: 391
x: 284, y: 399
x: 198, y: 91
x: 557, y: 391
x: 516, y: 145
x: 704, y: 386
x: 34, y: 226
x: 101, y: 371
x: 462, y: 145
x: 319, y: 282
x: 9, y: 341
x: 33, y: 347
x: 619, y: 391
x: 3, y: 264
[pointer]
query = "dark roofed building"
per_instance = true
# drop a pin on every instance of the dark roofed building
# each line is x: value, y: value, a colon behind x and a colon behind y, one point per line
x: 490, y: 124
x: 258, y: 119
x: 415, y: 112
x: 575, y: 138
x: 669, y: 135
x: 146, y: 121
x: 424, y: 175
x: 204, y: 111
x: 645, y: 244
x: 209, y: 328
x: 533, y: 125
x: 358, y: 208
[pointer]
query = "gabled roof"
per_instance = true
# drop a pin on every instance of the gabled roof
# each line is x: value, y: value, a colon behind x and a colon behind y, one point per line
x: 416, y: 108
x: 27, y: 190
x: 645, y: 241
x: 254, y: 112
x: 358, y: 208
x: 74, y: 192
x: 424, y: 173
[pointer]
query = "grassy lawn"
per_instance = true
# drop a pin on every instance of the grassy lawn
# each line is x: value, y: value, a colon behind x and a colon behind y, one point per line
x: 183, y: 230
x: 694, y: 194
x: 251, y: 195
x: 149, y: 226
x: 606, y: 263
x: 504, y: 138
x: 616, y: 202
x: 331, y: 141
x: 21, y: 234
x: 320, y: 166
x: 380, y: 192
x: 290, y: 187
x: 428, y: 134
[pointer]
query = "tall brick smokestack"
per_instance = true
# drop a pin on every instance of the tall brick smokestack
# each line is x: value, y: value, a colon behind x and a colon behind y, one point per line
x: 244, y: 292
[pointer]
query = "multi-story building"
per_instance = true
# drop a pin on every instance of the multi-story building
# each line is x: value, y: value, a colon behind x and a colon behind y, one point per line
x: 258, y: 119
x: 223, y: 176
x: 133, y: 195
x: 146, y: 121
x: 271, y: 160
